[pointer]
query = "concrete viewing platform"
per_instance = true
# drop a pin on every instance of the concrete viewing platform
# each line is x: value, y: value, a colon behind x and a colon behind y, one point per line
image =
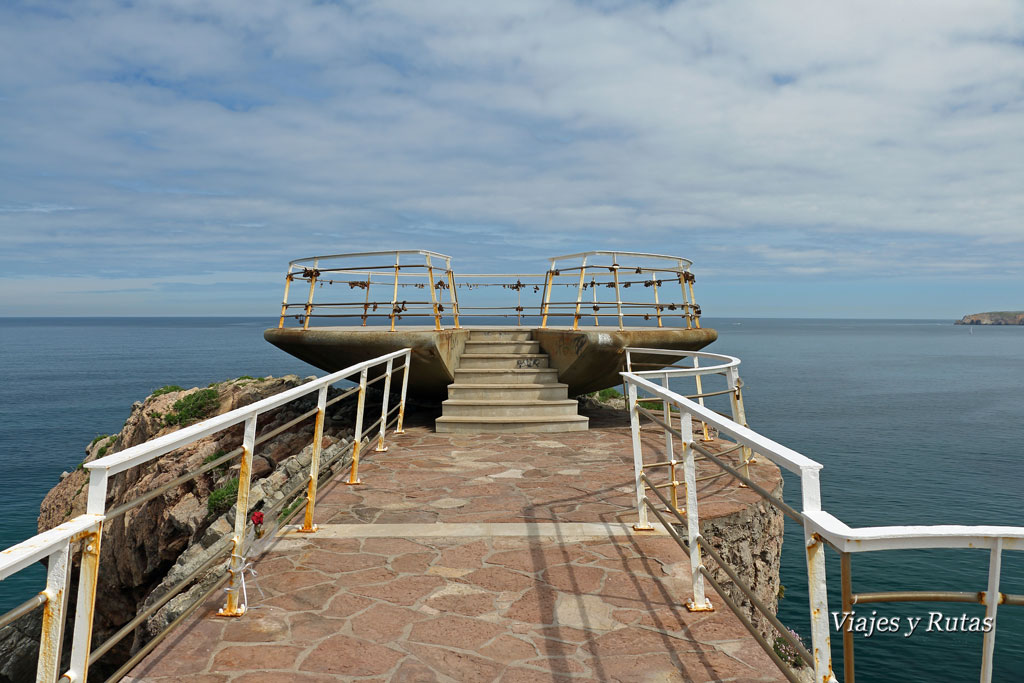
x: 490, y: 557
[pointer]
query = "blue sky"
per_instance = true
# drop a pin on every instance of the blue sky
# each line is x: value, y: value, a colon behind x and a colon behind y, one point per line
x: 812, y: 159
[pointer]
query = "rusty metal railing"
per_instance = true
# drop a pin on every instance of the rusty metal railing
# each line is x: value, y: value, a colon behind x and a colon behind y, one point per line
x: 619, y: 270
x: 820, y: 529
x: 386, y: 286
x: 683, y: 366
x: 84, y: 533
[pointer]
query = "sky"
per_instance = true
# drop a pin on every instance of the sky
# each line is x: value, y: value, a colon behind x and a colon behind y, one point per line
x: 813, y: 159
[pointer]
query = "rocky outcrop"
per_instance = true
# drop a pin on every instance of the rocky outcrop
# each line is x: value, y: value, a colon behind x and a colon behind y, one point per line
x: 151, y: 547
x: 993, y: 318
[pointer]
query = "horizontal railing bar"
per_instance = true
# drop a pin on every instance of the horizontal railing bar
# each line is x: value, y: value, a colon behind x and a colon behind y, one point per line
x: 764, y: 493
x: 214, y: 464
x: 664, y: 500
x: 871, y: 539
x: 664, y: 463
x: 761, y: 607
x: 30, y: 551
x: 360, y: 254
x: 136, y: 455
x: 177, y: 481
x: 776, y: 452
x: 30, y: 605
x: 651, y: 416
x: 918, y: 596
x: 102, y: 649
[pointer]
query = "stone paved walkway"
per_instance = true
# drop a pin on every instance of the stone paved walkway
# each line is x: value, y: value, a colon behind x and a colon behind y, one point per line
x: 476, y: 558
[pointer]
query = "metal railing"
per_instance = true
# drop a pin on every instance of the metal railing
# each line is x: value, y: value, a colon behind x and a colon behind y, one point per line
x: 385, y: 285
x: 820, y: 529
x: 57, y: 546
x: 716, y: 364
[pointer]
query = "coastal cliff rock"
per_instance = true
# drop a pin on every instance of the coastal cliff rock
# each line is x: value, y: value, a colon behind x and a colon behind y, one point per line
x: 151, y: 547
x: 993, y: 318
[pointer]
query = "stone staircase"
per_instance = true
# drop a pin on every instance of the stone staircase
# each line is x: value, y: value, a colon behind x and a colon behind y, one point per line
x: 504, y: 384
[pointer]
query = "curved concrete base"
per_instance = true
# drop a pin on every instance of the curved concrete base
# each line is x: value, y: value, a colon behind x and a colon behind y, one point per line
x: 587, y: 359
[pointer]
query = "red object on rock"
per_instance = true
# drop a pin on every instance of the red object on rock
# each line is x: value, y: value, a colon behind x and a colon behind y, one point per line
x: 257, y: 517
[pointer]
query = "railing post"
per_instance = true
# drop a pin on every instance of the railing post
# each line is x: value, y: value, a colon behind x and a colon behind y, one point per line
x: 357, y: 438
x: 817, y: 588
x: 666, y: 412
x: 579, y: 294
x: 739, y: 414
x: 847, y: 597
x: 405, y: 386
x: 453, y: 298
x: 314, y: 463
x: 657, y: 304
x: 85, y: 608
x: 366, y: 302
x: 233, y: 607
x: 699, y: 602
x: 284, y: 302
x: 992, y: 597
x: 433, y: 293
x: 394, y: 295
x: 548, y: 279
x: 700, y: 397
x: 54, y: 615
x: 618, y: 295
x: 687, y: 314
x: 638, y: 460
x: 381, y: 448
x: 693, y: 301
x: 309, y: 301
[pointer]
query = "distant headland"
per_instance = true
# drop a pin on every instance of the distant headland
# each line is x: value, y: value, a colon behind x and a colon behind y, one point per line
x: 993, y: 318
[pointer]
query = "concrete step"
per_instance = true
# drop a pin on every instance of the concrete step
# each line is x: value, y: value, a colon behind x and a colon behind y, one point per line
x: 553, y: 391
x: 511, y: 425
x: 506, y: 375
x: 503, y: 360
x: 501, y: 346
x: 499, y: 335
x: 490, y: 407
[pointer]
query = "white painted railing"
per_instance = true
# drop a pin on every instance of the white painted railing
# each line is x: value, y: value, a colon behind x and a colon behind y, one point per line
x: 57, y: 544
x: 820, y: 528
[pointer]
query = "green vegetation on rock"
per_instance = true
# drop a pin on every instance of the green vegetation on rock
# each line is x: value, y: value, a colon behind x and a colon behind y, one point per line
x: 221, y: 499
x: 166, y: 389
x: 192, y: 407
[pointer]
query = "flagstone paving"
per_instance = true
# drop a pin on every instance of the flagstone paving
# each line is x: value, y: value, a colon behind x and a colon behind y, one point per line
x: 477, y: 558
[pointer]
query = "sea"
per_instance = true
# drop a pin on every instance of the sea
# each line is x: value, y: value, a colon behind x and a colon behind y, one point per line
x: 914, y: 421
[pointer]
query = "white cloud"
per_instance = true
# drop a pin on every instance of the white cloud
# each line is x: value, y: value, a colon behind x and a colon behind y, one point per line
x: 198, y: 138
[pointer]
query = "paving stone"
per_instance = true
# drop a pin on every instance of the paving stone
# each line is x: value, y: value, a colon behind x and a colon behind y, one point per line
x: 453, y: 631
x: 405, y: 590
x: 345, y: 656
x: 258, y: 629
x: 256, y: 657
x: 384, y: 623
x: 460, y: 666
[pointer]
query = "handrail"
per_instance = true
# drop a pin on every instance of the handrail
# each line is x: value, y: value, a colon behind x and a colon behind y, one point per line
x: 820, y: 527
x: 386, y: 279
x: 57, y: 545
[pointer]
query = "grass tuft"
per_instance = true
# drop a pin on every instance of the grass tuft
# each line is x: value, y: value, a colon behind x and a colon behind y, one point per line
x: 166, y: 389
x: 193, y: 407
x: 221, y: 499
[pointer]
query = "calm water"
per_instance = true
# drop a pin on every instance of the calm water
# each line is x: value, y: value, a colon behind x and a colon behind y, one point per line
x: 916, y: 422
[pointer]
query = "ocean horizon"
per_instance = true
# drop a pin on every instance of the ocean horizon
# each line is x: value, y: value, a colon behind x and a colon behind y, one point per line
x: 916, y: 421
